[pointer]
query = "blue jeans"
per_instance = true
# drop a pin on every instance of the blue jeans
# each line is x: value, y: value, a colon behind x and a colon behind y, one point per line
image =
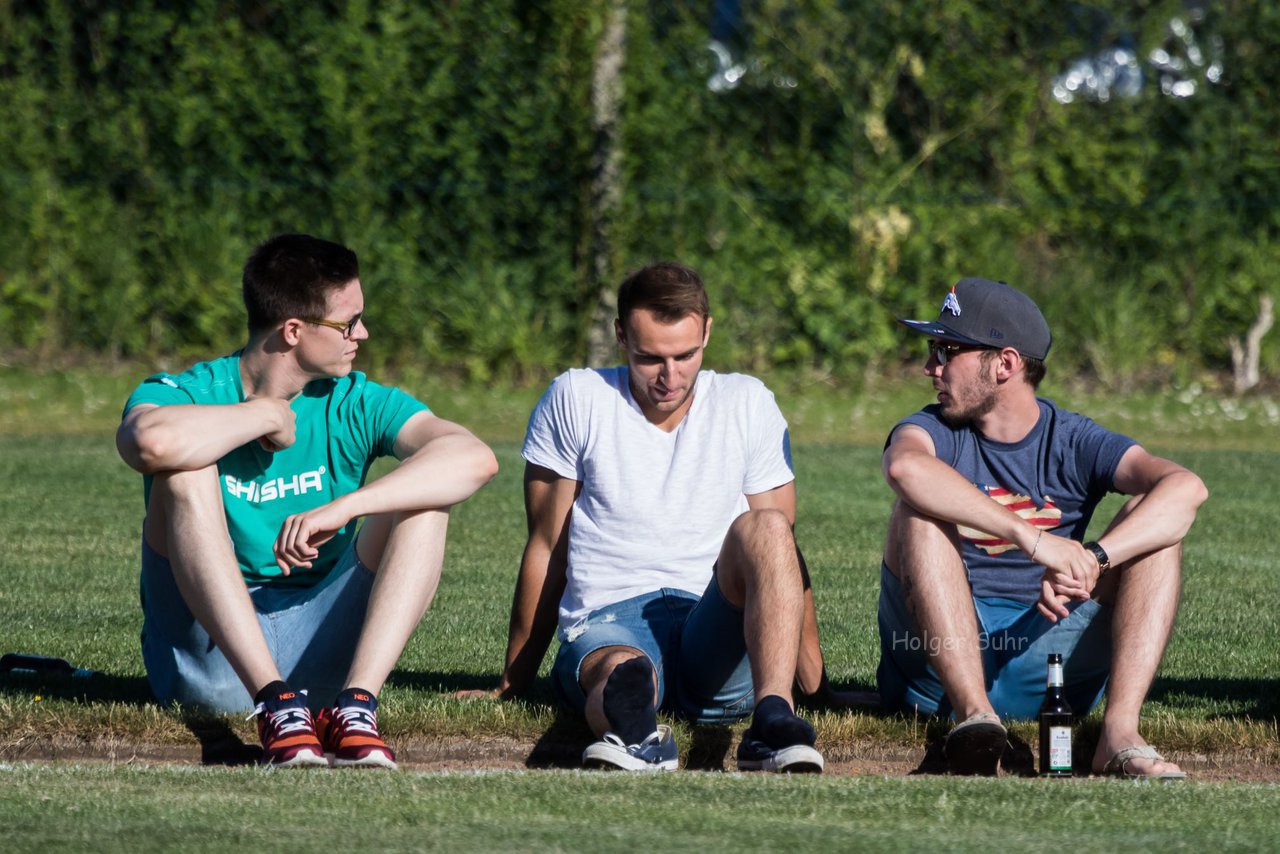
x: 1015, y: 640
x: 696, y: 646
x: 310, y: 631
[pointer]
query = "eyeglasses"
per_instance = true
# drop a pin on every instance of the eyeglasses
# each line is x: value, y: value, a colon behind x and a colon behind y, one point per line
x: 945, y: 351
x: 347, y: 328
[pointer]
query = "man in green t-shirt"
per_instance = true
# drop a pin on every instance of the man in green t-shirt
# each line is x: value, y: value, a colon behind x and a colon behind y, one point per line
x: 257, y: 591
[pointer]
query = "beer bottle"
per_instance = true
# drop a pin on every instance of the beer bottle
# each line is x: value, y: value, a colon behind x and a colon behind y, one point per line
x: 1055, y: 724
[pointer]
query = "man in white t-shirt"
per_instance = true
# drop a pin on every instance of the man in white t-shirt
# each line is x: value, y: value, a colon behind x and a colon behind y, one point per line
x: 660, y: 501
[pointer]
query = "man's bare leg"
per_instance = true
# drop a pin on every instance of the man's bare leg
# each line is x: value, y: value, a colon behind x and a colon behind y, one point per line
x: 594, y: 675
x: 1146, y: 594
x: 622, y: 703
x: 925, y: 557
x: 759, y: 572
x: 187, y: 524
x: 406, y: 551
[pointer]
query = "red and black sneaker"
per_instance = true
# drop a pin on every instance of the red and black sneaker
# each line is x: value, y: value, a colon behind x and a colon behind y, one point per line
x: 287, y: 732
x: 349, y: 732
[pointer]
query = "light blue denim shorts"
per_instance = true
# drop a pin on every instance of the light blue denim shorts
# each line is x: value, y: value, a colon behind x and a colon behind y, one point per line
x: 310, y: 631
x: 1015, y: 640
x: 696, y: 646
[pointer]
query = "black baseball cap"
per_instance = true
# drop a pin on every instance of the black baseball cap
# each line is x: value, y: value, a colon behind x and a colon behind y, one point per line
x: 984, y: 313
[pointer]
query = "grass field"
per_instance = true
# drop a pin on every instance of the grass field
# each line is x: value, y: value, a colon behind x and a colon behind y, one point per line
x: 129, y: 809
x: 70, y: 512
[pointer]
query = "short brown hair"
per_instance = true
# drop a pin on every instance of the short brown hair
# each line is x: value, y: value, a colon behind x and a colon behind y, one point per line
x: 292, y: 275
x: 671, y: 291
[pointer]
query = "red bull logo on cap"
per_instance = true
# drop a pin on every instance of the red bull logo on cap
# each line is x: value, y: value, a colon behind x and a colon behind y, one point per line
x: 951, y: 304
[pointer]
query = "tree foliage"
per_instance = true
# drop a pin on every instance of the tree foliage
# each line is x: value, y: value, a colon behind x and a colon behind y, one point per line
x: 860, y: 165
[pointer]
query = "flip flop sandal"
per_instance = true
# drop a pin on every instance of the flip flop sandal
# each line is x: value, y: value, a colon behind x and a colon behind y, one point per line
x: 1116, y: 765
x: 973, y: 748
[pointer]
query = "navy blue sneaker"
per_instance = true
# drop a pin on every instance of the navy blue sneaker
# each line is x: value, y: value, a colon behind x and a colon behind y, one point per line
x: 755, y: 755
x: 658, y: 752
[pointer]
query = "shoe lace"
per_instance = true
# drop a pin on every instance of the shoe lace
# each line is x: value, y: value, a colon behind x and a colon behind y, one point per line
x: 653, y: 738
x: 285, y: 721
x: 351, y: 718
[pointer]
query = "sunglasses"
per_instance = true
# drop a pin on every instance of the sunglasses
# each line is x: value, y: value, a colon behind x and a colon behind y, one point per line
x: 945, y: 351
x: 346, y: 327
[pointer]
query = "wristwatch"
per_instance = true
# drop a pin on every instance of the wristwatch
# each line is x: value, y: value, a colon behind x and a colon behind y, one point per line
x: 1104, y: 562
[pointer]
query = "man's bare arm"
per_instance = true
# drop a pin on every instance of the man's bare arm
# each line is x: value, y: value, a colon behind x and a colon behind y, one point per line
x: 1172, y: 495
x: 442, y: 464
x: 913, y: 470
x: 188, y: 437
x: 548, y: 501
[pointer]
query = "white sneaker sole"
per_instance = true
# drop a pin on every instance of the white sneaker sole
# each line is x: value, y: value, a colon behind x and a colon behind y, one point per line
x: 797, y: 759
x: 373, y: 760
x: 303, y: 759
x: 608, y: 758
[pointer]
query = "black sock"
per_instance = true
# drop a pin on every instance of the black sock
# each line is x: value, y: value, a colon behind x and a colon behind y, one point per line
x: 271, y: 691
x: 628, y: 701
x: 777, y: 726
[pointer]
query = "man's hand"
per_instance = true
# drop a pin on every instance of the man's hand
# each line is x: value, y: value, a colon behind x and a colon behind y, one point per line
x: 1070, y: 572
x: 302, y: 534
x: 281, y: 414
x: 1052, y: 605
x: 480, y: 694
x: 504, y: 691
x: 487, y: 694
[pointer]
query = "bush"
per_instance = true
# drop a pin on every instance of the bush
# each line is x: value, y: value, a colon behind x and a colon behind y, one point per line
x: 859, y: 166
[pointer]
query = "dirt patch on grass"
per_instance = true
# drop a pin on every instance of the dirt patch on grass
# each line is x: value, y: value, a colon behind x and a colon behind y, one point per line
x: 501, y: 753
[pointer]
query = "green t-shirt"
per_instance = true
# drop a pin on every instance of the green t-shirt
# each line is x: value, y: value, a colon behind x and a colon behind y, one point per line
x: 343, y: 425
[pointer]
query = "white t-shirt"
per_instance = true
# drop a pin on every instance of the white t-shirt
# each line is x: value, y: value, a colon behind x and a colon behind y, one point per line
x: 654, y: 506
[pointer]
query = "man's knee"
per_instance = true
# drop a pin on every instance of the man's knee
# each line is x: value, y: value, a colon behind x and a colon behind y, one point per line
x: 598, y: 665
x: 914, y: 533
x: 760, y: 539
x: 761, y: 529
x: 1161, y: 568
x: 759, y: 552
x: 1161, y: 565
x: 377, y: 530
x: 908, y: 523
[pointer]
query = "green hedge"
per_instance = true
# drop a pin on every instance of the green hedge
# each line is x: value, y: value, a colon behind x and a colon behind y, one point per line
x: 862, y: 164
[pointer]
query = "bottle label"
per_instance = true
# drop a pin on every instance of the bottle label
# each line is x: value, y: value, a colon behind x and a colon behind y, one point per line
x: 1060, y: 748
x: 1055, y: 675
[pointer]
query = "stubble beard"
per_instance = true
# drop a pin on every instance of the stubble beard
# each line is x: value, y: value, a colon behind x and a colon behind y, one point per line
x: 968, y: 416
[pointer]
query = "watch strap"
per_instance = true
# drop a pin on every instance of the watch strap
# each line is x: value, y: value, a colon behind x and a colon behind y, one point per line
x: 1104, y: 561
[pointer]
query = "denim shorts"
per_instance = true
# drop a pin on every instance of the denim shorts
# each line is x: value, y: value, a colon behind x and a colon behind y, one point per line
x: 1015, y: 640
x: 311, y: 633
x: 696, y: 646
